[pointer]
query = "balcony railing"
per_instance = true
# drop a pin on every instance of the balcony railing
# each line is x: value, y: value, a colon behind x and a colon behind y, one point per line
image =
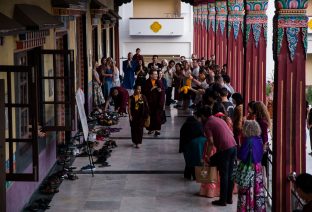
x: 156, y: 26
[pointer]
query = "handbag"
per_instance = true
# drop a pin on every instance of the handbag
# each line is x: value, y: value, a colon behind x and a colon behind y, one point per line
x: 206, y: 174
x: 147, y: 122
x: 245, y: 173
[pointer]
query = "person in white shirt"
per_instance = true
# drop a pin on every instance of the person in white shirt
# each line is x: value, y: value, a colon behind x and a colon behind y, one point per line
x: 227, y: 83
x: 168, y: 74
x: 116, y: 77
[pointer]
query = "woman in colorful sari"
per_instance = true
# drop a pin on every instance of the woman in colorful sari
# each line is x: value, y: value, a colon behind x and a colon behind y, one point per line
x: 138, y: 113
x: 97, y: 90
x: 249, y: 177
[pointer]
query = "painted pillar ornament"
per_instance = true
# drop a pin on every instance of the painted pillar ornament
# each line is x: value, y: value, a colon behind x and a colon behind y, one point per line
x: 200, y: 28
x: 235, y: 53
x: 205, y: 29
x: 221, y: 32
x: 211, y: 29
x: 289, y: 49
x: 195, y: 37
x: 255, y: 50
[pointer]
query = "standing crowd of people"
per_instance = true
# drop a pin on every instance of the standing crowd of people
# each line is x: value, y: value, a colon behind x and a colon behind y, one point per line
x: 221, y: 136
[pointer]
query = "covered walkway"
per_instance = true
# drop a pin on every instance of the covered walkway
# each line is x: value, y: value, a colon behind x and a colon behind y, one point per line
x: 145, y: 179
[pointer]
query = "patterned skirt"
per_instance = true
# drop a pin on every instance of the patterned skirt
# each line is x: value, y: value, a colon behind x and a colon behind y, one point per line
x: 252, y: 198
x: 98, y: 95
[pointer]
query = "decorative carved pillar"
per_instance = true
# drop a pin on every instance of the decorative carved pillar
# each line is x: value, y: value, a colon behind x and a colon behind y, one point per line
x: 255, y: 50
x: 235, y: 53
x: 211, y: 29
x: 289, y: 47
x: 221, y: 35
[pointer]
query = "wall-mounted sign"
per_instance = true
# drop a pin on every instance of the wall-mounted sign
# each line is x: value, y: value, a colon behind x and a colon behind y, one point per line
x: 156, y: 26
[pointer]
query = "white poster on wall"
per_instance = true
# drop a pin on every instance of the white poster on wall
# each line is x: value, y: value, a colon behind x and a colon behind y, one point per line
x: 80, y: 100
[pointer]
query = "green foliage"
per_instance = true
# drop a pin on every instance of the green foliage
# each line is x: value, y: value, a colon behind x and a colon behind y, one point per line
x: 309, y: 95
x: 268, y: 89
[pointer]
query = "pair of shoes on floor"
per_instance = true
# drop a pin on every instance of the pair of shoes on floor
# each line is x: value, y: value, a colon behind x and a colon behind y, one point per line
x: 150, y: 132
x: 136, y: 146
x: 39, y: 204
x: 88, y: 168
x: 157, y: 133
x: 221, y: 203
x: 193, y: 106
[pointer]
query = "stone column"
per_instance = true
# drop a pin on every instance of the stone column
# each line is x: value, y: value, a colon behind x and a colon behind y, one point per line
x: 255, y: 50
x: 221, y: 35
x: 289, y: 47
x: 235, y: 53
x: 211, y: 29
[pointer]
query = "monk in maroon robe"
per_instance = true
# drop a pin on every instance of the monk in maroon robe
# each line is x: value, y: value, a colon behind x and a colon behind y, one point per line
x: 155, y: 94
x: 138, y: 113
x: 120, y: 97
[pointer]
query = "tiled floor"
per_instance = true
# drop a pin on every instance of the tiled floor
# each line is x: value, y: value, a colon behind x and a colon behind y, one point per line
x: 153, y: 179
x: 145, y: 179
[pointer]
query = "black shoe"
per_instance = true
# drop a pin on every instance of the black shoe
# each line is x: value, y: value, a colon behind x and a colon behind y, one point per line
x: 150, y: 132
x: 218, y: 203
x: 157, y: 133
x: 173, y: 101
x: 229, y: 202
x: 192, y: 106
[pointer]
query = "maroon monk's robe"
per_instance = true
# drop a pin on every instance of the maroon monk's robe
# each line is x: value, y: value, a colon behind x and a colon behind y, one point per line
x: 156, y: 101
x: 121, y: 100
x: 139, y: 113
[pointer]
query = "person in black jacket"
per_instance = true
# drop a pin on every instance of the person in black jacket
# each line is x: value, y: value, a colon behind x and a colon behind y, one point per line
x: 309, y: 125
x: 303, y: 187
x: 190, y: 130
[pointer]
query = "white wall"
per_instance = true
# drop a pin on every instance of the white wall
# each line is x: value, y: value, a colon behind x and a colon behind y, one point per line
x: 149, y: 45
x: 269, y: 52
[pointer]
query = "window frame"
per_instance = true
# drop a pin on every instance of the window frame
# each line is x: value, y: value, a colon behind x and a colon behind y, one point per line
x: 32, y: 106
x: 69, y: 99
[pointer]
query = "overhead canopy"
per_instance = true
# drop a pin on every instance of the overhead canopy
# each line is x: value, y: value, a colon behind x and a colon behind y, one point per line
x: 108, y: 17
x: 114, y: 14
x: 121, y: 2
x: 73, y: 4
x: 34, y: 17
x: 8, y: 26
x: 98, y: 4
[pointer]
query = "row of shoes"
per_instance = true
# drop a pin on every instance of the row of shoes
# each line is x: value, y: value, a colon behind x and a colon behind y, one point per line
x: 41, y: 204
x: 108, y: 119
x: 51, y: 184
x: 102, y: 155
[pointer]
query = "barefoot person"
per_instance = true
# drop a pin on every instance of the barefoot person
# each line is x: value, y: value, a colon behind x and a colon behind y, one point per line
x: 138, y: 113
